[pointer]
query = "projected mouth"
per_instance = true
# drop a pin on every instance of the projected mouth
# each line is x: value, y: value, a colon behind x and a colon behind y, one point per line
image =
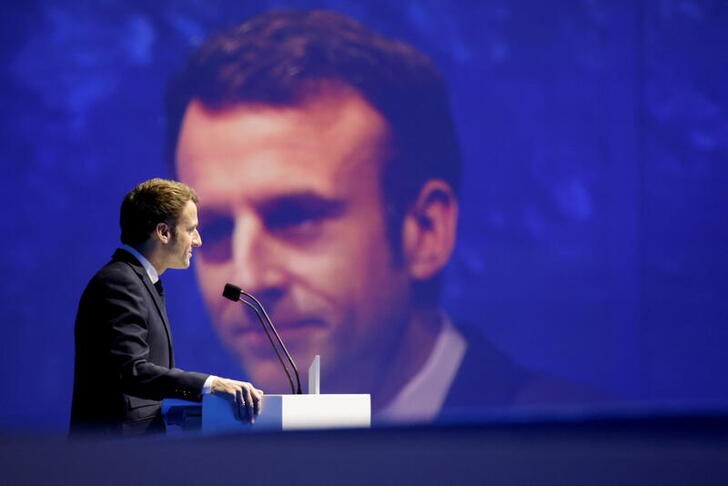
x: 292, y: 332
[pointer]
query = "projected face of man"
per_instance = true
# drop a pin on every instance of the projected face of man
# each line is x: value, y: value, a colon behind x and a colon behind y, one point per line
x: 292, y: 212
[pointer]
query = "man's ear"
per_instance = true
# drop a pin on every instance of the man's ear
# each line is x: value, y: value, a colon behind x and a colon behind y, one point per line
x: 163, y: 232
x: 429, y: 230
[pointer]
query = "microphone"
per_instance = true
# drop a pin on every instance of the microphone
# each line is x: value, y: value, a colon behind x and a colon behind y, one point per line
x: 235, y: 293
x: 232, y: 292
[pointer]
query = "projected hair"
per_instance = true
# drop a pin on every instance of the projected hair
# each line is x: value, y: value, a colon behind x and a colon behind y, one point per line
x: 282, y: 58
x: 150, y: 203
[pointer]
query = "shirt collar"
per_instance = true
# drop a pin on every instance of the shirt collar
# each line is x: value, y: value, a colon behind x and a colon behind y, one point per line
x: 151, y: 271
x: 423, y: 396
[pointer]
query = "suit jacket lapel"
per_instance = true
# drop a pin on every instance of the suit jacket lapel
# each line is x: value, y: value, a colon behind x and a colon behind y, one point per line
x: 158, y: 302
x: 162, y: 309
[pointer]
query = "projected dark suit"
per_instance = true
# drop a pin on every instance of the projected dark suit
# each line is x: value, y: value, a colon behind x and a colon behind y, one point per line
x: 124, y: 354
x: 487, y: 378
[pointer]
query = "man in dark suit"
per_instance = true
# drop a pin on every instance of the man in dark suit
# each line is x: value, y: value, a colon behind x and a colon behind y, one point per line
x: 124, y: 362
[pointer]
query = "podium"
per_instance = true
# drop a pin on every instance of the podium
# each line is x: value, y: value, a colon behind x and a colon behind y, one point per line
x: 290, y: 412
x: 278, y: 412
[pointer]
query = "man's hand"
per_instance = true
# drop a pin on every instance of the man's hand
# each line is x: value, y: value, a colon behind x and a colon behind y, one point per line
x: 246, y: 399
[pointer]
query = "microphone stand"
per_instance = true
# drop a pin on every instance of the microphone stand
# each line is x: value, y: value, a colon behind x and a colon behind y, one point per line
x: 270, y: 338
x: 230, y: 292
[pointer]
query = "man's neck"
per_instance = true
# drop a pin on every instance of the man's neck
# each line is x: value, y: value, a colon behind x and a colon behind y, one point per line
x: 143, y: 252
x: 148, y: 250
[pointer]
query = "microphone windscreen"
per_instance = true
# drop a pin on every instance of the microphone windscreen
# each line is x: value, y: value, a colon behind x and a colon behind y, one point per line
x: 231, y: 292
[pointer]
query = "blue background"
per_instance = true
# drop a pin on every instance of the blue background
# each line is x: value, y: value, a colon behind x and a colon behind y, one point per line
x: 594, y: 237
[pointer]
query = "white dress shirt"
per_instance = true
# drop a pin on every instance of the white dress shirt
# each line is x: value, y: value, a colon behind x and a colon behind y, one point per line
x: 422, y: 397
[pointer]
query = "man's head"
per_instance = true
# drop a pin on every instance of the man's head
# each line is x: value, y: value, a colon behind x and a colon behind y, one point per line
x: 159, y: 217
x: 328, y: 163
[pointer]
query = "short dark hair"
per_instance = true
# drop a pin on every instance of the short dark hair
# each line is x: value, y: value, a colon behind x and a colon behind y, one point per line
x: 150, y: 203
x: 283, y: 58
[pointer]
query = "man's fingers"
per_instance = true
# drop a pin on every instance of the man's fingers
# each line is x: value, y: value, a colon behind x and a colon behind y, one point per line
x: 258, y: 402
x: 245, y: 397
x: 248, y: 402
x: 240, y: 413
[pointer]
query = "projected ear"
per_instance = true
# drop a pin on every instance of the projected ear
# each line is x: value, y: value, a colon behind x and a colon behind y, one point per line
x: 429, y: 230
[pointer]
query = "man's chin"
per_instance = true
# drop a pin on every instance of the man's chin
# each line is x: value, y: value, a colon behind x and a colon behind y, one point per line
x: 181, y: 266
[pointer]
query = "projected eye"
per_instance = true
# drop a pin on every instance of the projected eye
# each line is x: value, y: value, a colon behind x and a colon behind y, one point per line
x: 292, y: 218
x: 216, y: 232
x: 300, y: 217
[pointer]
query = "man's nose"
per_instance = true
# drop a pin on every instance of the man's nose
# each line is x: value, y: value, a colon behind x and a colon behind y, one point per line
x: 196, y: 239
x: 256, y: 268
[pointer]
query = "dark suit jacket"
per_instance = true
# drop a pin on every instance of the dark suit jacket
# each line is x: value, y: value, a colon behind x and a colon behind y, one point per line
x: 487, y: 378
x: 124, y: 362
